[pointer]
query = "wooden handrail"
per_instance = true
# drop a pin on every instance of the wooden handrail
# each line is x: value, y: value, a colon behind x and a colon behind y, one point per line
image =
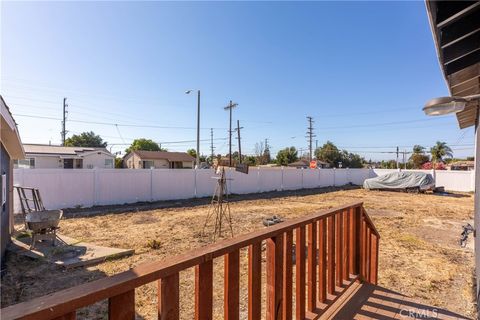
x: 120, y: 288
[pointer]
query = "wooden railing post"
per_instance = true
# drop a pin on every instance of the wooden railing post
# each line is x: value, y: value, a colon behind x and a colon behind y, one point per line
x: 331, y: 254
x: 358, y: 241
x: 287, y: 275
x: 345, y: 242
x: 232, y: 286
x: 255, y: 281
x: 168, y: 297
x: 312, y: 266
x: 300, y: 272
x: 204, y: 290
x: 322, y: 260
x: 122, y: 306
x: 339, y: 253
x: 374, y: 259
x: 274, y: 277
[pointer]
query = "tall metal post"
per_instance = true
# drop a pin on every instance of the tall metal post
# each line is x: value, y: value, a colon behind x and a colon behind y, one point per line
x: 230, y: 106
x: 239, y: 142
x: 198, y: 129
x: 64, y: 131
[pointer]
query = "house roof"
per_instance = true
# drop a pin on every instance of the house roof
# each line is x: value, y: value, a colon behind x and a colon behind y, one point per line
x: 170, y: 156
x: 456, y: 32
x: 9, y: 135
x: 46, y: 149
x: 462, y: 163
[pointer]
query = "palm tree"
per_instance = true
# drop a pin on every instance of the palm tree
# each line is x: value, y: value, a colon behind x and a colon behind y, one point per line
x: 439, y: 151
x: 418, y: 149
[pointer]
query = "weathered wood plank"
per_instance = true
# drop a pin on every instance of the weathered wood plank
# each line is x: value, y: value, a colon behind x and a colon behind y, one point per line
x: 122, y: 306
x: 374, y: 259
x: 312, y: 267
x: 204, y: 290
x: 339, y: 253
x: 255, y: 281
x: 232, y: 286
x: 331, y: 255
x: 300, y: 272
x: 68, y: 316
x: 322, y: 260
x: 168, y: 297
x: 345, y: 242
x: 274, y: 277
x: 287, y: 275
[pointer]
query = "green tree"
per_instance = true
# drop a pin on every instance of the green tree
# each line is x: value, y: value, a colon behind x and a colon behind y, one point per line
x: 440, y: 150
x: 329, y: 153
x: 250, y: 160
x: 286, y: 156
x: 192, y: 152
x: 351, y: 160
x: 118, y: 163
x: 144, y: 144
x: 418, y: 157
x: 86, y: 139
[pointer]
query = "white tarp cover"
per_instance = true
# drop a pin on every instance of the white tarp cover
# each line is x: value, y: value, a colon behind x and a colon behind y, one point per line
x: 400, y: 180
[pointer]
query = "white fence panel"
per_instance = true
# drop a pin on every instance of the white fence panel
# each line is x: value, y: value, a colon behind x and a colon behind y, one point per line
x: 341, y: 177
x: 62, y: 188
x: 292, y: 179
x: 310, y: 178
x: 129, y: 187
x: 454, y: 180
x: 59, y: 189
x: 172, y: 184
x: 205, y: 182
x: 327, y: 177
x: 242, y: 183
x: 357, y: 176
x: 270, y: 179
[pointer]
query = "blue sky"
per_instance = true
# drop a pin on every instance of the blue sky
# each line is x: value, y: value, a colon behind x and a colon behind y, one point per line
x: 363, y: 70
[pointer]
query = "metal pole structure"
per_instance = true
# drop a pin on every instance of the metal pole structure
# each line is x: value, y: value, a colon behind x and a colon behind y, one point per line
x: 212, y: 148
x: 64, y: 132
x: 230, y: 106
x: 310, y: 137
x: 198, y: 129
x: 239, y: 142
x: 397, y: 157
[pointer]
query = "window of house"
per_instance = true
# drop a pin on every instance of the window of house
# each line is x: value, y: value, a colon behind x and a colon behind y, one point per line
x: 28, y: 163
x: 108, y: 163
x: 147, y: 164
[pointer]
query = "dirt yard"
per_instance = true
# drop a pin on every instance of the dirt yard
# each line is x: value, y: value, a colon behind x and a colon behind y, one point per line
x: 419, y: 251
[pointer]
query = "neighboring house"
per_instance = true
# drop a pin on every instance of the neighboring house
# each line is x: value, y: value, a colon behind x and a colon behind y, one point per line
x: 54, y: 157
x: 140, y: 159
x: 11, y: 148
x: 303, y: 163
x: 461, y: 165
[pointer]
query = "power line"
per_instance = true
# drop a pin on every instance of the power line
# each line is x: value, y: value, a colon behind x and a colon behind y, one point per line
x: 110, y: 123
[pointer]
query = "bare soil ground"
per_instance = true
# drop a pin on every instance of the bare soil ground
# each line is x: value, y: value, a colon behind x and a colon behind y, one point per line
x: 419, y: 251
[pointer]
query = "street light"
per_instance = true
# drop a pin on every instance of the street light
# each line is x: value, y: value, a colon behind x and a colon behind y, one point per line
x: 445, y: 105
x: 198, y: 126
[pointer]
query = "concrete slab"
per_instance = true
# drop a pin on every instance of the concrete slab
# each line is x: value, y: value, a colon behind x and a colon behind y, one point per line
x: 68, y: 253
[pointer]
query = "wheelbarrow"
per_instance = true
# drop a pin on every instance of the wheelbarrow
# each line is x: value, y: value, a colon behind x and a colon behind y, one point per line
x: 43, y: 225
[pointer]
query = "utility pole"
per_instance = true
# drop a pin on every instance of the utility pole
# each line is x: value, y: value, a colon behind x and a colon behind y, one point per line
x: 230, y: 106
x: 212, y: 148
x: 310, y: 136
x: 397, y: 158
x: 198, y: 129
x: 239, y: 144
x: 64, y: 131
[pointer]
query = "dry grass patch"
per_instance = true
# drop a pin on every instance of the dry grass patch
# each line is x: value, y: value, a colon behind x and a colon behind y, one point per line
x: 419, y: 255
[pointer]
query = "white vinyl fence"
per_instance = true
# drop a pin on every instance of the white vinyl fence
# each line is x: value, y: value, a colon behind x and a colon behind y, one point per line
x: 63, y: 188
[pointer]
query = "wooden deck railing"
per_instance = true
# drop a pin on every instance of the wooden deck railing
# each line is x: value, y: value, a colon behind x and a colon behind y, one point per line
x: 333, y: 249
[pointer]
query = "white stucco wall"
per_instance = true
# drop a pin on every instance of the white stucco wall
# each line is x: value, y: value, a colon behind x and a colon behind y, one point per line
x: 44, y: 162
x: 97, y: 160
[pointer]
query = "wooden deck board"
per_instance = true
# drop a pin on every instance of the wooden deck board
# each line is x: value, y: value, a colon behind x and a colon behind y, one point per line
x: 375, y: 302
